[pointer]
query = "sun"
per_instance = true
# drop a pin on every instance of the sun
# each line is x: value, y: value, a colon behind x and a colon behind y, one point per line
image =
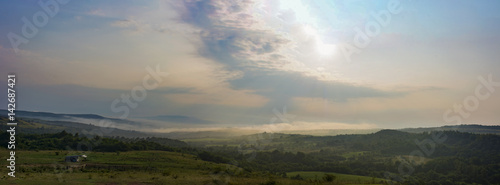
x: 321, y: 48
x: 326, y: 50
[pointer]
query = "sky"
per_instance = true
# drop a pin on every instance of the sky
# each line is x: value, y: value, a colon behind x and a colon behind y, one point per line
x: 279, y: 65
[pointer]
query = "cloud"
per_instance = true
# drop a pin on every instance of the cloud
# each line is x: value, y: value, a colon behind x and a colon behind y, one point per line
x: 179, y: 119
x: 176, y: 90
x: 304, y: 126
x: 231, y: 34
x: 132, y: 26
x: 252, y: 36
x: 43, y: 69
x: 96, y: 12
x: 210, y: 13
x: 284, y: 85
x: 125, y: 23
x: 425, y: 105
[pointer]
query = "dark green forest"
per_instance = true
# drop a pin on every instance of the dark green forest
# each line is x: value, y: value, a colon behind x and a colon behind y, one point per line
x: 460, y: 158
x: 407, y: 158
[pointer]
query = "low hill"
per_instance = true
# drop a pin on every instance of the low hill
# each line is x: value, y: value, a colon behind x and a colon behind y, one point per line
x: 478, y: 129
x: 39, y: 126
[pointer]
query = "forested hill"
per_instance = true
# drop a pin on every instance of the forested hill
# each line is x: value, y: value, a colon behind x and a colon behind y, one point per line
x: 478, y: 129
x: 64, y: 140
x: 448, y: 157
x: 38, y: 126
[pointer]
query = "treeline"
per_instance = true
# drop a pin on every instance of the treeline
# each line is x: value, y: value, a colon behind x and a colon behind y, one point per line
x: 67, y: 141
x: 279, y: 162
x: 162, y: 141
x: 456, y: 170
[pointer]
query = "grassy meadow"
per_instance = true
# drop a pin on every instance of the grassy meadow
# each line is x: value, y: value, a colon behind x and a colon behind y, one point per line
x: 145, y: 167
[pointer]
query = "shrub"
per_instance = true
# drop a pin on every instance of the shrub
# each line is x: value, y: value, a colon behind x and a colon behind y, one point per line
x: 297, y: 177
x: 329, y: 177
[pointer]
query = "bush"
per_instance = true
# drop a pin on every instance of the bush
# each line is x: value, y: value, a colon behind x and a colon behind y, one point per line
x: 270, y: 182
x: 165, y: 173
x: 329, y: 177
x: 297, y: 177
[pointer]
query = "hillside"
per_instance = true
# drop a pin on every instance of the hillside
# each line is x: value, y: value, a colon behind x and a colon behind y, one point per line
x: 478, y: 129
x: 432, y: 155
x: 34, y: 125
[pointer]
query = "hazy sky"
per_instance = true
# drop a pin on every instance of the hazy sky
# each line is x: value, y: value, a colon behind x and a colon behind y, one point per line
x: 230, y: 63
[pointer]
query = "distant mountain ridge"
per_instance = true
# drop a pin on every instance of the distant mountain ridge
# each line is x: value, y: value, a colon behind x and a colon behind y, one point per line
x: 178, y: 119
x: 39, y: 126
x: 21, y: 113
x: 32, y: 114
x: 473, y: 128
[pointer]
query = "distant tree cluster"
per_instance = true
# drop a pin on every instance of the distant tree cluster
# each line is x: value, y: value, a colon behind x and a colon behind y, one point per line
x: 64, y: 141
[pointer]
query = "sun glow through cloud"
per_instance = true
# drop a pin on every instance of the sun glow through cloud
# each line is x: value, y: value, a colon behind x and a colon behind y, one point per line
x: 309, y: 48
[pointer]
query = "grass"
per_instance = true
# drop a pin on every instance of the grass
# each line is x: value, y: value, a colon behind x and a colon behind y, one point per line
x: 207, y: 140
x: 352, y: 154
x: 340, y: 178
x: 142, y: 167
x: 416, y: 160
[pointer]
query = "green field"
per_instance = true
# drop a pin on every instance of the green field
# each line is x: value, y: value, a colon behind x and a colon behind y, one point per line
x: 340, y: 178
x: 142, y: 167
x: 352, y: 154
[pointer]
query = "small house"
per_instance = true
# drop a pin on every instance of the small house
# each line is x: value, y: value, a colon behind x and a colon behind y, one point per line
x: 74, y: 158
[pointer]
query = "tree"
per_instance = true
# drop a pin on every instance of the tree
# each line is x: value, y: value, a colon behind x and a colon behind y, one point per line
x: 297, y: 177
x: 329, y: 177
